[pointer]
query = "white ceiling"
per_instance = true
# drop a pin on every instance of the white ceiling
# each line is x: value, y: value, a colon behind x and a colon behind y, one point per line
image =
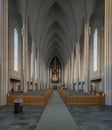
x: 55, y: 25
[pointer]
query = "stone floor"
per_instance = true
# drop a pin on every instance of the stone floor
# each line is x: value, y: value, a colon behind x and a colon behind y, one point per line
x: 27, y: 120
x: 85, y: 117
x: 92, y: 117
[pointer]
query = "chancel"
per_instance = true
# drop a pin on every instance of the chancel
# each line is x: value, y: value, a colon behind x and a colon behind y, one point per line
x: 56, y: 64
x: 55, y: 71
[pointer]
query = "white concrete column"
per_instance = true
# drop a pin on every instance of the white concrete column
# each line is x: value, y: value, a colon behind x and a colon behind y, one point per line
x: 77, y: 66
x: 62, y: 75
x: 66, y: 75
x: 41, y: 64
x: 69, y: 69
x: 29, y: 67
x: 40, y: 72
x: 25, y: 54
x: 47, y: 77
x: 43, y: 73
x: 86, y: 56
x: 108, y: 53
x: 22, y: 74
x: 3, y: 51
x: 33, y: 78
x: 44, y: 76
x: 68, y: 72
x: 38, y: 69
x: 72, y: 69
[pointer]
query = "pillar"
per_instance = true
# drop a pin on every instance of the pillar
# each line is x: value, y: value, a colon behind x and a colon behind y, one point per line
x: 68, y: 72
x: 44, y: 76
x: 77, y: 66
x: 25, y: 54
x: 33, y: 78
x: 72, y: 69
x: 3, y: 51
x: 42, y: 72
x: 86, y: 55
x: 38, y: 69
x: 22, y: 74
x: 108, y: 53
x: 29, y: 67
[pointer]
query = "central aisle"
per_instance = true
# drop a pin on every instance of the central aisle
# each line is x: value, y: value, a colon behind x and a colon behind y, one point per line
x: 56, y: 116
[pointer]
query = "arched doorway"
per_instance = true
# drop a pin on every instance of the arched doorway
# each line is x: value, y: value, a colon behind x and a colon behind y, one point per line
x: 55, y: 71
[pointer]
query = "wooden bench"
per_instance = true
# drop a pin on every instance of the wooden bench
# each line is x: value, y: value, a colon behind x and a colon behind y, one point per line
x: 86, y: 100
x: 31, y: 100
x: 82, y: 100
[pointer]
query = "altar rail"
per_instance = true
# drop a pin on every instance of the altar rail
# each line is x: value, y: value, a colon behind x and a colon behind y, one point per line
x: 82, y: 100
x: 31, y: 99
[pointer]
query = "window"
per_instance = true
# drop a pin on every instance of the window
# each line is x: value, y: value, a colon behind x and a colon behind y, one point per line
x: 79, y: 63
x: 95, y: 49
x: 15, y: 50
x: 31, y: 64
x: 35, y: 68
x: 75, y: 69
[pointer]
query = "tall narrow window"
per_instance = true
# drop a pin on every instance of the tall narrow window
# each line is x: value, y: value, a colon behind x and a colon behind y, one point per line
x: 31, y: 64
x: 75, y: 69
x: 79, y: 63
x: 35, y: 68
x: 95, y: 48
x: 15, y: 50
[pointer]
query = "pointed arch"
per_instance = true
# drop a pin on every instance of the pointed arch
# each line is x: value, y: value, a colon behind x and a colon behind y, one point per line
x: 55, y: 70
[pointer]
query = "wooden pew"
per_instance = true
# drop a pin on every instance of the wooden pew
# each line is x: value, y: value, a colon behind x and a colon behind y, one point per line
x: 31, y: 100
x: 82, y: 100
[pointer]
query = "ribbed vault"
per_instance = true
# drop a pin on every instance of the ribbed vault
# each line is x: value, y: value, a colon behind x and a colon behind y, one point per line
x: 54, y: 37
x: 55, y: 25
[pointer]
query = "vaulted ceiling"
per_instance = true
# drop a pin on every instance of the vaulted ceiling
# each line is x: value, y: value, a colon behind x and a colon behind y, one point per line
x: 55, y: 26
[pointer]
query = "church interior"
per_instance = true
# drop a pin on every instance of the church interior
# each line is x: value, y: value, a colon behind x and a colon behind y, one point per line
x: 55, y: 64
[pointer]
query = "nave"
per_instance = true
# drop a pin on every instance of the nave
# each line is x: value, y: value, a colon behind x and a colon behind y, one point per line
x: 56, y: 44
x: 63, y: 43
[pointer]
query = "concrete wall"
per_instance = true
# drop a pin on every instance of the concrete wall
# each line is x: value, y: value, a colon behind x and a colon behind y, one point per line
x: 15, y: 21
